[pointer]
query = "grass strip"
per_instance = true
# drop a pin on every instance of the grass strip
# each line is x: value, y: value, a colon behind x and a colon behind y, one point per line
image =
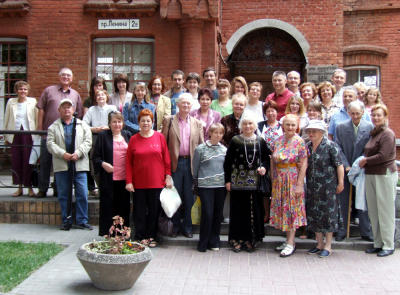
x: 18, y: 260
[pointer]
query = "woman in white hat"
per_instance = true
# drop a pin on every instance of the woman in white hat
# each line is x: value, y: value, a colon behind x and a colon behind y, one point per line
x: 324, y: 180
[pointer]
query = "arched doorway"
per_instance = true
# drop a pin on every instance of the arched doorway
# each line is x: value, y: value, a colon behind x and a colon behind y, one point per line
x: 261, y: 52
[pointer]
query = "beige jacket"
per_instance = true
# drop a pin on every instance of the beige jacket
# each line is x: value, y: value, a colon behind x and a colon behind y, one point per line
x: 56, y: 145
x: 163, y: 110
x: 173, y: 138
x: 11, y: 114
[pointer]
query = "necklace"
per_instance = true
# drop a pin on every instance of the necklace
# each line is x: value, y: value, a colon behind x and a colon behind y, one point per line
x: 245, y: 152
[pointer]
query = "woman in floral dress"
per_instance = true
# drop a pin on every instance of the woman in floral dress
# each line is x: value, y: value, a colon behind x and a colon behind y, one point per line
x: 288, y: 169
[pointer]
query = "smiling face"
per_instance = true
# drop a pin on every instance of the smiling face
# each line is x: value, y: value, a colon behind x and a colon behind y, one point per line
x: 372, y: 96
x: 255, y: 92
x: 307, y: 93
x: 339, y: 78
x: 66, y: 77
x: 248, y: 128
x: 326, y: 94
x: 290, y: 126
x: 66, y: 111
x: 313, y: 114
x: 238, y: 106
x: 97, y: 87
x: 216, y: 136
x: 279, y: 83
x: 121, y: 85
x: 192, y: 85
x: 294, y: 106
x: 116, y: 125
x: 22, y: 92
x: 348, y: 97
x: 238, y: 87
x: 101, y: 98
x: 156, y: 87
x: 271, y: 114
x: 293, y: 80
x: 145, y: 123
x: 205, y: 102
x: 378, y: 117
x: 140, y: 92
x: 210, y: 79
x: 223, y: 91
x: 184, y: 105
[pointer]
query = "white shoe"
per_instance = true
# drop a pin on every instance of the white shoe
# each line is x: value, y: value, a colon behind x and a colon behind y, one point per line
x: 288, y: 251
x: 214, y: 249
x: 281, y: 247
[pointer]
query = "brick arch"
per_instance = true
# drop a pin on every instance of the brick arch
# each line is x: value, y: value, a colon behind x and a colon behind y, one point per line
x: 268, y: 23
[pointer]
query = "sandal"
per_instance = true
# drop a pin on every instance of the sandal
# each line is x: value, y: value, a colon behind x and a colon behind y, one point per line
x: 31, y: 193
x: 249, y: 247
x: 152, y: 243
x: 18, y: 193
x: 144, y: 242
x: 236, y: 246
x: 288, y: 251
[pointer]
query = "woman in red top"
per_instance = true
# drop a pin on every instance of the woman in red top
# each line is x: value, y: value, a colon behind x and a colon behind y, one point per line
x: 148, y: 170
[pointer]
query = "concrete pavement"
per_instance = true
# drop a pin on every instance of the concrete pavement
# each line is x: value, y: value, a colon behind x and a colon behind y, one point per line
x: 177, y: 268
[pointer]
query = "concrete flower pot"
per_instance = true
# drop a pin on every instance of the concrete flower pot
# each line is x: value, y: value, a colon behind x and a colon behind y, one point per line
x: 113, y: 272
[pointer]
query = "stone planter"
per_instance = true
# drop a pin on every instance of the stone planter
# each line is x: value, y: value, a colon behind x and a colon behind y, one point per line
x: 113, y: 272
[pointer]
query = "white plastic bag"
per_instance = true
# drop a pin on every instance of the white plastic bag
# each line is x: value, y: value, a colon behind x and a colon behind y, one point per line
x: 35, y: 152
x: 170, y: 201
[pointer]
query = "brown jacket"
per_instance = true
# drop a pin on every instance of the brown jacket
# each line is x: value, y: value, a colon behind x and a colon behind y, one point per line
x: 380, y: 152
x: 172, y: 135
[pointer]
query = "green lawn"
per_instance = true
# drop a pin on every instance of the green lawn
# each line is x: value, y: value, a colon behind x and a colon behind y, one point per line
x: 18, y: 260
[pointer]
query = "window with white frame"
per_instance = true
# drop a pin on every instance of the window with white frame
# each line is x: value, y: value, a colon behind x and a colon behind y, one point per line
x: 370, y: 75
x: 12, y: 68
x: 131, y: 56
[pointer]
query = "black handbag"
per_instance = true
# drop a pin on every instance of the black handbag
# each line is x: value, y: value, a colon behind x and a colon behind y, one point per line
x: 264, y: 182
x: 165, y: 225
x: 35, y: 176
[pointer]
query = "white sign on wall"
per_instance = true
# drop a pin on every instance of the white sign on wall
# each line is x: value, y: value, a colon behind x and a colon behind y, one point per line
x: 119, y: 24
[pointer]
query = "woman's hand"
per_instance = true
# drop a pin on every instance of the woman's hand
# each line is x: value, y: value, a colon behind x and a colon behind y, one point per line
x: 339, y: 187
x: 228, y: 186
x: 108, y: 167
x: 261, y: 171
x: 168, y: 181
x: 129, y: 187
x: 299, y: 190
x: 362, y: 162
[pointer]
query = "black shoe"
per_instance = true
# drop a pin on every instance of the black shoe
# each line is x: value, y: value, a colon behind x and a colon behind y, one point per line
x: 314, y: 250
x: 84, y: 226
x: 340, y: 238
x: 188, y: 235
x: 41, y: 195
x: 373, y: 250
x: 366, y: 238
x: 65, y: 226
x: 384, y: 253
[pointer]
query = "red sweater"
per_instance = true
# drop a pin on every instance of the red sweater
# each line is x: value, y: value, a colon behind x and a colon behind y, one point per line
x: 147, y: 161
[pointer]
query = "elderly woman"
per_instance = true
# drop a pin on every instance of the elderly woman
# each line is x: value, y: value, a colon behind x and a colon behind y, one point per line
x: 231, y: 122
x: 97, y: 83
x: 380, y: 181
x: 109, y: 157
x: 206, y: 115
x: 308, y: 92
x: 183, y: 134
x: 288, y: 170
x: 254, y: 104
x: 140, y: 101
x: 163, y: 103
x: 148, y: 170
x: 208, y: 170
x: 372, y: 97
x: 247, y: 157
x: 326, y: 91
x: 324, y: 180
x: 21, y: 114
x: 239, y: 85
x: 122, y: 94
x: 270, y: 129
x: 223, y: 104
x: 192, y: 86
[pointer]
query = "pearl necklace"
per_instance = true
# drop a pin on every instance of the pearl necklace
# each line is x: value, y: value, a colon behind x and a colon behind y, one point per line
x: 254, y: 151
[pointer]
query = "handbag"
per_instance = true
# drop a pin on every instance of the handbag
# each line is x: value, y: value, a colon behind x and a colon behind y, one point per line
x: 35, y: 176
x: 165, y: 225
x: 264, y: 182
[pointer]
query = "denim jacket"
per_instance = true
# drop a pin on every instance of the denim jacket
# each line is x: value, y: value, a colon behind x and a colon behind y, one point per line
x: 131, y: 113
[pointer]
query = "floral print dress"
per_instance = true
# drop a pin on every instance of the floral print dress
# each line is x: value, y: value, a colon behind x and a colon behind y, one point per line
x: 287, y: 210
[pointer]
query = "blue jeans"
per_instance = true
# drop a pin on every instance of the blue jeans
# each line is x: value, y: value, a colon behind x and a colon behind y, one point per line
x: 63, y: 181
x: 183, y: 182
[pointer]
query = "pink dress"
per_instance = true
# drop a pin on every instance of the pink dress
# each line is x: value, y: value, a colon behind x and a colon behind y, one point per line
x: 287, y: 210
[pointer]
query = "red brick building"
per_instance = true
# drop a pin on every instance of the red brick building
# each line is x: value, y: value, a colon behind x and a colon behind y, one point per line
x: 250, y: 38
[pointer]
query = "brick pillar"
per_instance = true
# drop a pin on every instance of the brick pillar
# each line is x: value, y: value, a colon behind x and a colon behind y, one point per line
x: 191, y: 44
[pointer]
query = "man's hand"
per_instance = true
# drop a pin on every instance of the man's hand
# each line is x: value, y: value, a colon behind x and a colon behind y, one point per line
x: 74, y: 157
x: 67, y: 157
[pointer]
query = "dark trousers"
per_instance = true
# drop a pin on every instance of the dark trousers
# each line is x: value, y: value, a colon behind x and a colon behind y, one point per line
x: 365, y: 225
x: 121, y: 201
x: 146, y: 211
x: 45, y: 166
x: 90, y: 181
x: 183, y: 182
x: 20, y: 152
x: 212, y: 207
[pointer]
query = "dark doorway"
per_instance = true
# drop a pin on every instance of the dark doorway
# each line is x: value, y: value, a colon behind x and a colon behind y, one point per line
x: 263, y: 51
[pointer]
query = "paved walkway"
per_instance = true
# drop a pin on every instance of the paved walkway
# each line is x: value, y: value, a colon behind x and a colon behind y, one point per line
x: 177, y: 268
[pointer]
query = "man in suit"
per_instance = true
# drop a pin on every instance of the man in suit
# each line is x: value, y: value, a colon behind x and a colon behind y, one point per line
x: 183, y: 134
x: 351, y: 137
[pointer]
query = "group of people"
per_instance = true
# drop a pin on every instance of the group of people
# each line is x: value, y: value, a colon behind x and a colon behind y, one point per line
x: 304, y: 143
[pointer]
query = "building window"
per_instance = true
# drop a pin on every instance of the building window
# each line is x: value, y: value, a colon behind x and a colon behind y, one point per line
x: 131, y: 56
x: 368, y: 74
x: 12, y: 68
